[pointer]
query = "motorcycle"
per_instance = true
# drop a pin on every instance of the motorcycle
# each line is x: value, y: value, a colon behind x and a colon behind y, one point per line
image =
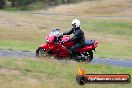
x: 57, y: 46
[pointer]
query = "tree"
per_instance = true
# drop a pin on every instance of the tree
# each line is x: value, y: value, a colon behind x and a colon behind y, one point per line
x: 20, y: 2
x: 12, y: 3
x: 66, y: 1
x: 2, y: 3
x: 52, y: 2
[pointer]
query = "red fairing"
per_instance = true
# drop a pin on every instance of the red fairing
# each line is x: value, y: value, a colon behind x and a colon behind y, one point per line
x: 60, y: 50
x: 65, y: 38
x: 67, y: 44
x: 88, y: 47
x: 43, y: 46
x: 50, y: 38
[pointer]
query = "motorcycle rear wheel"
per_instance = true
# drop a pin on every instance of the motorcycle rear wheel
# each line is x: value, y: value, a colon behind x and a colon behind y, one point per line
x: 86, y: 58
x: 90, y: 55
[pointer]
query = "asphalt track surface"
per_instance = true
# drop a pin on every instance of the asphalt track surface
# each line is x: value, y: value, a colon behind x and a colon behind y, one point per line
x: 101, y: 61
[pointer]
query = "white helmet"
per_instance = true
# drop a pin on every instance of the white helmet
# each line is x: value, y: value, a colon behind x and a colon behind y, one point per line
x: 76, y: 22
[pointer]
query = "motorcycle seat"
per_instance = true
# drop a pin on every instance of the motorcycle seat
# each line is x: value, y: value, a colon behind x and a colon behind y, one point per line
x: 89, y: 42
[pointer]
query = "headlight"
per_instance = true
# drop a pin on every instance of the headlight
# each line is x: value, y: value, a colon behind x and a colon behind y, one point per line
x: 47, y: 40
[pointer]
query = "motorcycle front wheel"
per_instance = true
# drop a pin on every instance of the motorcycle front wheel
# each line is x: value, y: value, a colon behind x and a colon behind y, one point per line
x: 41, y: 52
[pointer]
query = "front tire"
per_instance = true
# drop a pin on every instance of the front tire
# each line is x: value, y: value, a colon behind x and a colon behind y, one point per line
x: 41, y: 52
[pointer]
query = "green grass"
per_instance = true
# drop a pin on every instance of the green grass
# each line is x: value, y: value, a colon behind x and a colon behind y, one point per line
x: 29, y: 73
x: 112, y: 27
x: 114, y: 36
x: 18, y: 45
x: 114, y: 51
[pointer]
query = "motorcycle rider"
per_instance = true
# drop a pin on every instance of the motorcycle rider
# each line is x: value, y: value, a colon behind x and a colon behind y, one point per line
x: 78, y: 38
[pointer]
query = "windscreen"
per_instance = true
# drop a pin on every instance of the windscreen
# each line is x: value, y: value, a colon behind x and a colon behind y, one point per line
x: 55, y: 32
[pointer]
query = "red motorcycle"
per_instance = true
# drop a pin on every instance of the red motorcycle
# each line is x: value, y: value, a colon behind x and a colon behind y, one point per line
x: 57, y: 45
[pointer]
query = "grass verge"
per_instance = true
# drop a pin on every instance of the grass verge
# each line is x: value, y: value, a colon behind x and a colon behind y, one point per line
x: 18, y: 45
x: 29, y: 73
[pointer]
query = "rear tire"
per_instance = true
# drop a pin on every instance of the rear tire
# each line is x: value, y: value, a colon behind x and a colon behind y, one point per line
x: 90, y: 56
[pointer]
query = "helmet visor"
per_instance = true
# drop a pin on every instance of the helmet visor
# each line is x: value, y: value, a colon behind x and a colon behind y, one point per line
x: 74, y: 25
